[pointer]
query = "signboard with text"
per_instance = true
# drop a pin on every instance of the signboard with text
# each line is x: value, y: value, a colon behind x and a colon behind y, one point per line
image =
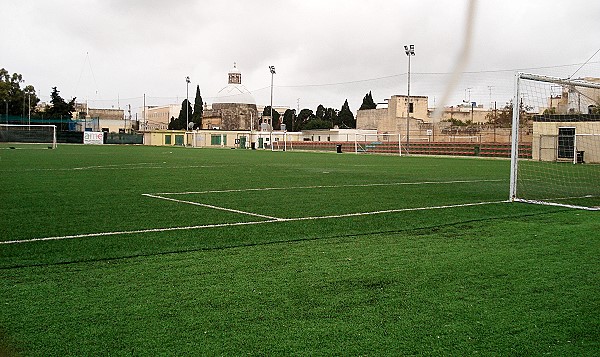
x: 93, y: 137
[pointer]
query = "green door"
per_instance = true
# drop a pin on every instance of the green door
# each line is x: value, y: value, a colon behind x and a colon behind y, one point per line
x: 242, y: 142
x: 260, y: 143
x: 179, y: 140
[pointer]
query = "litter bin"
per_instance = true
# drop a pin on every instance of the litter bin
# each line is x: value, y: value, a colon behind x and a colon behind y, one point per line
x: 477, y: 150
x: 338, y: 148
x: 580, y: 157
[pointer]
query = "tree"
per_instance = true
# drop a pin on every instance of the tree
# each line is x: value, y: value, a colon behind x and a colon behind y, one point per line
x: 288, y: 119
x: 317, y: 123
x: 275, y: 119
x: 324, y: 118
x: 503, y: 117
x: 198, y: 109
x: 174, y: 124
x: 345, y: 118
x: 303, y: 117
x: 183, y: 118
x: 320, y: 114
x: 59, y: 107
x: 17, y: 99
x: 331, y: 115
x: 368, y: 102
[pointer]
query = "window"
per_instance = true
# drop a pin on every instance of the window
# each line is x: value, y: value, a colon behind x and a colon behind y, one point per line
x: 168, y: 139
x: 411, y: 107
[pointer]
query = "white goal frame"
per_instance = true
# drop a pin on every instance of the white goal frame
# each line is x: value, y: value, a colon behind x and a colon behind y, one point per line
x: 53, y: 143
x: 515, y: 134
x: 363, y: 141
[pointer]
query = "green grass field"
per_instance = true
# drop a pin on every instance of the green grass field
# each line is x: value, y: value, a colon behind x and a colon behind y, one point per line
x: 123, y: 250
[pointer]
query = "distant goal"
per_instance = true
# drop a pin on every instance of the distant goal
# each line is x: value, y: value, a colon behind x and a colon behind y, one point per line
x: 17, y: 136
x: 563, y: 118
x: 378, y: 143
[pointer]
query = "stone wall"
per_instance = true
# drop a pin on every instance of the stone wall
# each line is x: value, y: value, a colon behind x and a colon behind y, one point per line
x: 236, y: 116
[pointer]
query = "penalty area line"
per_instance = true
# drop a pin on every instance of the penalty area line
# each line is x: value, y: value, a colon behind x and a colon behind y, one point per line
x: 222, y: 225
x: 211, y: 206
x: 332, y: 186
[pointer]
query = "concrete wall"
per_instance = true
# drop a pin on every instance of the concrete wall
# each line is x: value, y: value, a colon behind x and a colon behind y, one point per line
x: 369, y: 119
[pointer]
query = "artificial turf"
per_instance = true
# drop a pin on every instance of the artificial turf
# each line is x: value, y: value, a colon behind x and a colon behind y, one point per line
x: 495, y: 279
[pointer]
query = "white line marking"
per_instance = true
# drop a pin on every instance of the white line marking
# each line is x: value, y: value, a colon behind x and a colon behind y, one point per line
x: 113, y: 167
x: 102, y: 234
x: 329, y: 186
x: 247, y: 223
x: 213, y: 207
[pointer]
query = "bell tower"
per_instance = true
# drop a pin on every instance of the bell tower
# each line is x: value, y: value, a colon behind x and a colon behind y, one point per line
x: 235, y: 76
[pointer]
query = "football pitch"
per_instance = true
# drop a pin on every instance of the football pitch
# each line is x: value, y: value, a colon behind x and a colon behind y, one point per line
x: 133, y: 250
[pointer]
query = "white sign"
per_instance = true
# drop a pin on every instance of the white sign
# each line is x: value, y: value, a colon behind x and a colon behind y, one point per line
x: 93, y: 137
x: 429, y: 132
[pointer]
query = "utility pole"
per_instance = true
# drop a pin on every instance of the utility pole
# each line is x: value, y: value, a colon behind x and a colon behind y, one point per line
x: 410, y: 51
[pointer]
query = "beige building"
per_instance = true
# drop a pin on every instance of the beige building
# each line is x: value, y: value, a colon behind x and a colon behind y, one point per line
x: 159, y: 117
x: 564, y: 137
x: 394, y: 118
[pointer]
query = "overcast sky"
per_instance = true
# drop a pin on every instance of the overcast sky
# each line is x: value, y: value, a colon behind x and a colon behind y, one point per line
x: 112, y: 52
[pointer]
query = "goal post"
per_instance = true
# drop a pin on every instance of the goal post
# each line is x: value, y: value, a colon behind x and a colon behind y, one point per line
x: 28, y: 136
x: 560, y: 120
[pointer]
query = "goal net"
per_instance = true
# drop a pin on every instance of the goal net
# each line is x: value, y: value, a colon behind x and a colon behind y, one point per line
x: 16, y: 136
x: 563, y: 117
x: 377, y: 143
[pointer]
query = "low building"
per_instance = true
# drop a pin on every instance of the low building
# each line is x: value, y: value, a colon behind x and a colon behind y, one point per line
x: 101, y: 119
x: 563, y: 137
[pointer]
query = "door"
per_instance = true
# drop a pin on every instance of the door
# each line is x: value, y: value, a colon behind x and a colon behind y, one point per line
x: 566, y: 143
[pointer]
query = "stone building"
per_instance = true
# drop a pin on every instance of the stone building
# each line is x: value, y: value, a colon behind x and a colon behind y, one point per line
x: 395, y: 117
x: 233, y: 108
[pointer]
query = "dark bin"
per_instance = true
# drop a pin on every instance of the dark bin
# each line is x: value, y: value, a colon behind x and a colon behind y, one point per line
x: 580, y: 157
x: 338, y: 148
x: 253, y: 145
x: 477, y: 150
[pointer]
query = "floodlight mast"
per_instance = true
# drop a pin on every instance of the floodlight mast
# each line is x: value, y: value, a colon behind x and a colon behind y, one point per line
x: 272, y: 70
x: 187, y: 112
x: 410, y: 51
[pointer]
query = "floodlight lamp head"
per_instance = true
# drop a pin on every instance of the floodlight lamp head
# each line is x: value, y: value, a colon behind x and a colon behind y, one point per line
x: 187, y: 79
x: 409, y: 50
x: 272, y: 69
